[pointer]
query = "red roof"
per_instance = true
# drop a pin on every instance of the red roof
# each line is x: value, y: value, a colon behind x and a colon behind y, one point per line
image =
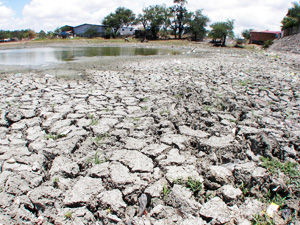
x: 267, y: 31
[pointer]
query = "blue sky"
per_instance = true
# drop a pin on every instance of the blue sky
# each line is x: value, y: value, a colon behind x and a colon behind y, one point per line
x: 16, y: 5
x: 47, y: 15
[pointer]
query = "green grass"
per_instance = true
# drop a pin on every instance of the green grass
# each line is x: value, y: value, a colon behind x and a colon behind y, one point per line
x: 178, y: 96
x: 96, y: 159
x: 209, y: 108
x: 68, y: 215
x: 166, y: 191
x: 262, y: 220
x: 244, y: 188
x: 164, y: 111
x: 194, y: 185
x: 93, y: 120
x: 144, y: 108
x: 274, y: 166
x: 136, y: 119
x: 144, y: 99
x: 55, y: 136
x: 55, y: 182
x: 99, y: 138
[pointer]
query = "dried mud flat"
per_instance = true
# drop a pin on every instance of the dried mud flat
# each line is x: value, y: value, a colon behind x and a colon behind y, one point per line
x: 207, y: 137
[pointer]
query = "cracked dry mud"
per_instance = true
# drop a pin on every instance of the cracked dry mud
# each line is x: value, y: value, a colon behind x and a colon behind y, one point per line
x: 188, y: 131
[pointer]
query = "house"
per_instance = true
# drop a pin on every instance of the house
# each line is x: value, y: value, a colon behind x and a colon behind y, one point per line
x: 259, y: 37
x: 82, y: 29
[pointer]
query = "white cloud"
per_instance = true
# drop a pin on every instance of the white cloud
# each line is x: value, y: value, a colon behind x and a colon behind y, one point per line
x: 48, y: 15
x: 6, y: 14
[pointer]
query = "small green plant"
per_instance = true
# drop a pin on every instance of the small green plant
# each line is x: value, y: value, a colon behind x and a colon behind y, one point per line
x: 93, y: 120
x: 68, y: 215
x: 106, y: 109
x: 244, y: 188
x: 96, y: 159
x: 259, y: 219
x: 232, y: 120
x: 209, y: 109
x: 243, y: 83
x: 166, y: 191
x: 136, y: 119
x: 267, y: 44
x: 178, y: 96
x: 194, y: 185
x: 144, y: 108
x: 264, y: 88
x: 99, y: 138
x: 55, y: 182
x: 144, y: 99
x: 164, y: 112
x: 55, y: 136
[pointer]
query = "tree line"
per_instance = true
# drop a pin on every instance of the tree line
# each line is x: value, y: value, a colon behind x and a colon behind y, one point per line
x: 160, y: 21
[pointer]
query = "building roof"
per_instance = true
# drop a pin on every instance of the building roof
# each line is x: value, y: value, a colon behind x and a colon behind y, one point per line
x: 266, y: 32
x: 85, y: 24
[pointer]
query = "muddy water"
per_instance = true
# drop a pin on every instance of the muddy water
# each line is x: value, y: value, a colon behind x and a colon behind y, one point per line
x: 46, y: 55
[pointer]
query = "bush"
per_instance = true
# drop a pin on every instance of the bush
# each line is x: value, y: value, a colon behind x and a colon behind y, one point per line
x: 267, y: 44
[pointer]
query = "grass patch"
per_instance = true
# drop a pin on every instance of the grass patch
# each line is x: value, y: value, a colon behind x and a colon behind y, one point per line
x: 93, y: 120
x: 209, y: 108
x: 99, y: 138
x: 259, y: 219
x: 68, y: 215
x: 144, y: 99
x: 164, y: 112
x: 274, y: 166
x: 55, y: 136
x: 194, y: 185
x: 166, y: 191
x: 96, y: 159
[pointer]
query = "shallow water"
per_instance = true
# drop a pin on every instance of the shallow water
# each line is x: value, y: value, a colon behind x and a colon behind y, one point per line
x: 40, y: 56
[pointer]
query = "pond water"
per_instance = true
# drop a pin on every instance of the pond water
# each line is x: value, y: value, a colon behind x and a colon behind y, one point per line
x: 40, y: 56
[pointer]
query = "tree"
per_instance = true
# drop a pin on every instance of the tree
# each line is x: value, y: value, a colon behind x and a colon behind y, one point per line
x: 4, y: 34
x: 154, y: 18
x: 91, y: 32
x: 42, y: 34
x: 222, y: 30
x: 180, y: 17
x: 197, y: 24
x: 292, y: 18
x: 121, y: 17
x: 246, y: 34
x: 30, y: 34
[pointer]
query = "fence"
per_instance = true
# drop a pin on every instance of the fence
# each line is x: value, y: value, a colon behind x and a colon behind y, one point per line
x: 290, y: 31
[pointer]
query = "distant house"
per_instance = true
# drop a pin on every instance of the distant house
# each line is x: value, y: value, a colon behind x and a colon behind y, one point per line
x: 259, y: 37
x: 82, y: 29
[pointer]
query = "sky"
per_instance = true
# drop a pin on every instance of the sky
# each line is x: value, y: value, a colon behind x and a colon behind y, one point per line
x: 48, y: 15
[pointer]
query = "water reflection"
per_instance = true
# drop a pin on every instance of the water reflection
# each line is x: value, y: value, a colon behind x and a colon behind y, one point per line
x: 39, y: 56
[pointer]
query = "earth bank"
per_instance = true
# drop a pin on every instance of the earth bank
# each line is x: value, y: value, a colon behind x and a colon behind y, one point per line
x: 207, y: 137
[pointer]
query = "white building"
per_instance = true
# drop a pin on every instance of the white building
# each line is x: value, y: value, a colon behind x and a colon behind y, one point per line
x: 126, y: 31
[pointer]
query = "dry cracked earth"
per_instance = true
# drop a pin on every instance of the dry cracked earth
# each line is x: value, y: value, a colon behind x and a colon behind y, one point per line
x: 189, y: 139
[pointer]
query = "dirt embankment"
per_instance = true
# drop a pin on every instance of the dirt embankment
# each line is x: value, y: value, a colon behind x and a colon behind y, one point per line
x: 289, y: 49
x: 206, y: 137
